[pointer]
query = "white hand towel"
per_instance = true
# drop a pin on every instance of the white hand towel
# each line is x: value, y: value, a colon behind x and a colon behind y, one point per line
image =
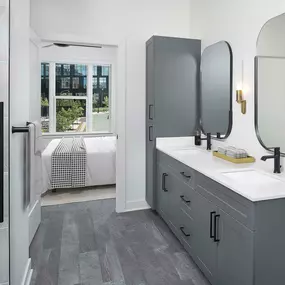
x: 38, y: 138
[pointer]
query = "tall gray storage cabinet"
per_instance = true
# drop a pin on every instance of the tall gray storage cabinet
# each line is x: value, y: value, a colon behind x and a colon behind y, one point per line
x: 172, y: 82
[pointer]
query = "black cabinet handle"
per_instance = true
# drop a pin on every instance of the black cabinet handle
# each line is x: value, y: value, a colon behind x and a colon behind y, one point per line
x: 150, y: 133
x: 182, y: 230
x: 184, y: 200
x: 1, y: 162
x: 216, y: 239
x: 185, y: 175
x: 149, y: 112
x: 164, y: 175
x: 211, y: 224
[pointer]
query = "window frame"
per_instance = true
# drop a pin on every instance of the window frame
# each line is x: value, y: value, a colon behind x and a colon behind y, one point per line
x: 89, y: 98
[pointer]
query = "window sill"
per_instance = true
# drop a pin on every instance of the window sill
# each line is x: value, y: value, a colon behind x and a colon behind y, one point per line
x: 60, y: 135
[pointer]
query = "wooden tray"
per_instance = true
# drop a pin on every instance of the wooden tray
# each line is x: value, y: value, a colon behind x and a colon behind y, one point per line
x: 248, y: 159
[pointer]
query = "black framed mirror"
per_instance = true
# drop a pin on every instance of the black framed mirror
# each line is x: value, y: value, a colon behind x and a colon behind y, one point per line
x: 216, y: 90
x: 270, y: 84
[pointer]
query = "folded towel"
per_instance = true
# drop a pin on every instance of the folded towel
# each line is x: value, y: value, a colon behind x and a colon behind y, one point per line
x: 38, y: 138
x: 233, y: 152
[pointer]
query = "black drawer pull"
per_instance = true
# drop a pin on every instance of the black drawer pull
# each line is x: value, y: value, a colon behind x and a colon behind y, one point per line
x: 164, y: 175
x: 185, y: 175
x: 150, y: 133
x: 182, y: 230
x: 184, y: 200
x: 150, y: 107
x: 216, y: 239
x: 211, y: 224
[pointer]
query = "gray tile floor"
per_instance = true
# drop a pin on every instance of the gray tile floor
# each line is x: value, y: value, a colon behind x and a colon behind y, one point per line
x: 89, y: 244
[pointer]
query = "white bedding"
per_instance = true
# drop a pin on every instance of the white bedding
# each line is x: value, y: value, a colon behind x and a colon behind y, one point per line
x: 101, y: 161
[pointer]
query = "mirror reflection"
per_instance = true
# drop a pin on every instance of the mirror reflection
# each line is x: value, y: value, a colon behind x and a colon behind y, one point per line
x: 216, y: 89
x: 270, y: 84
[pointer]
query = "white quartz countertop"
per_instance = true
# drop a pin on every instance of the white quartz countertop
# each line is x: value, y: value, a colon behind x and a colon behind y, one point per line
x: 244, y: 179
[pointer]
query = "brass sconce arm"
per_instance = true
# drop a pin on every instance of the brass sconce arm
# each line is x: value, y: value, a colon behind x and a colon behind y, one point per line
x: 240, y: 100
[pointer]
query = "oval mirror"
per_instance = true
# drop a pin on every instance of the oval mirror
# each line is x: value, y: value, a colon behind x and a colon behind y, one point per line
x: 270, y: 84
x: 216, y: 89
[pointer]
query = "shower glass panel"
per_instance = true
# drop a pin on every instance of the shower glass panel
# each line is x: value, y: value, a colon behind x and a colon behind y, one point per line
x: 4, y: 155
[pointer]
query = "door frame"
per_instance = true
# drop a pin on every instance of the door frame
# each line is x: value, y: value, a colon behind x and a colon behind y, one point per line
x: 120, y: 113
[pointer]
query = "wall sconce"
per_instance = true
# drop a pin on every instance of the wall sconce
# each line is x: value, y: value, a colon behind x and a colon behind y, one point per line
x: 241, y: 101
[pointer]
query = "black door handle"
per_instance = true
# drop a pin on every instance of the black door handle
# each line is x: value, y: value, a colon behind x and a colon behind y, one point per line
x: 149, y: 112
x: 164, y: 175
x: 211, y: 224
x: 2, y: 162
x: 182, y: 230
x: 184, y: 200
x: 20, y: 130
x: 216, y: 239
x: 185, y: 175
x: 150, y: 133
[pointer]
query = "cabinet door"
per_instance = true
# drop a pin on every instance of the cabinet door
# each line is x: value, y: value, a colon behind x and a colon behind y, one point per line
x: 235, y: 252
x: 150, y: 81
x: 204, y: 246
x: 163, y: 192
x: 176, y: 77
x: 150, y: 165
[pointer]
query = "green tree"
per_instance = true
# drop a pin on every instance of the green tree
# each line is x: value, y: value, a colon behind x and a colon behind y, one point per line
x: 44, y: 102
x: 65, y: 117
x: 106, y: 101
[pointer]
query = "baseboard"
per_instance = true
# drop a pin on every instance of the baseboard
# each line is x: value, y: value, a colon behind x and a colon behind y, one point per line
x: 28, y: 274
x: 136, y: 205
x: 34, y: 219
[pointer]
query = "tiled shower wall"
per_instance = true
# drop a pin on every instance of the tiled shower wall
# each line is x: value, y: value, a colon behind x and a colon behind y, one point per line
x: 4, y: 83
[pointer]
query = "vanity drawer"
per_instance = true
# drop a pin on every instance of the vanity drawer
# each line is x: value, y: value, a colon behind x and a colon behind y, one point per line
x: 184, y: 230
x: 232, y: 203
x: 185, y: 173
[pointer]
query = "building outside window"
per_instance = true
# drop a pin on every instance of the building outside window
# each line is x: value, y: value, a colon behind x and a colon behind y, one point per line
x: 45, y: 97
x: 71, y: 108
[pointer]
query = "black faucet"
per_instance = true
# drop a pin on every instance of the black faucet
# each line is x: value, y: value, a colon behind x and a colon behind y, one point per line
x: 198, y: 140
x: 276, y: 157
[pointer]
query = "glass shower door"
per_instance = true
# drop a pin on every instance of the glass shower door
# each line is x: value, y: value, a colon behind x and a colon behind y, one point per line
x: 4, y: 155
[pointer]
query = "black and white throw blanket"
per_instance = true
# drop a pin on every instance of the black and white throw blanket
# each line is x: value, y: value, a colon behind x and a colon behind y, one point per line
x: 68, y: 165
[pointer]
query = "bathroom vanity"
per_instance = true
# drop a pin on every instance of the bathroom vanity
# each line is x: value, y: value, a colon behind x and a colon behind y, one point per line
x: 230, y: 219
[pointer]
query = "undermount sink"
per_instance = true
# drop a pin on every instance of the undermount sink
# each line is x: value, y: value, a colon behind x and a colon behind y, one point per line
x: 251, y: 177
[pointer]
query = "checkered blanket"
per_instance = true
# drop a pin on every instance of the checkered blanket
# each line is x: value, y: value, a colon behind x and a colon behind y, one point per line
x: 69, y: 164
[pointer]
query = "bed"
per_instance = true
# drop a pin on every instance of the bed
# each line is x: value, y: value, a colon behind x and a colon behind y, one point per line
x: 100, y: 161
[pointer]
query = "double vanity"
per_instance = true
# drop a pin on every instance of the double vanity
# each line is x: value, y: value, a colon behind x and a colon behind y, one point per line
x: 229, y: 218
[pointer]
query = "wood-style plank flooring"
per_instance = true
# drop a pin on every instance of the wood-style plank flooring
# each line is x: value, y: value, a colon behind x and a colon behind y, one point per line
x: 89, y: 244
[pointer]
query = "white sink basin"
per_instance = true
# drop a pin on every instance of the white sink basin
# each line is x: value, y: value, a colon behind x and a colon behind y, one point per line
x: 251, y: 177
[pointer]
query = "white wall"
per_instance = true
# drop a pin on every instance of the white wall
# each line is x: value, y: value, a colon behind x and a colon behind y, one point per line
x: 127, y: 24
x: 238, y: 22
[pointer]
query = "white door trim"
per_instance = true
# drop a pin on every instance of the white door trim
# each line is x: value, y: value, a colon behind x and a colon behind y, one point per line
x: 120, y: 113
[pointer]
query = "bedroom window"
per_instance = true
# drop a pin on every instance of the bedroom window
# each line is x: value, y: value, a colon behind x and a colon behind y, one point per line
x: 75, y: 98
x: 45, y: 97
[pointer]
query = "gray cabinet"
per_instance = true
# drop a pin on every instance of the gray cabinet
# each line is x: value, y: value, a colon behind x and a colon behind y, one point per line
x: 235, y: 254
x: 233, y: 240
x: 172, y: 77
